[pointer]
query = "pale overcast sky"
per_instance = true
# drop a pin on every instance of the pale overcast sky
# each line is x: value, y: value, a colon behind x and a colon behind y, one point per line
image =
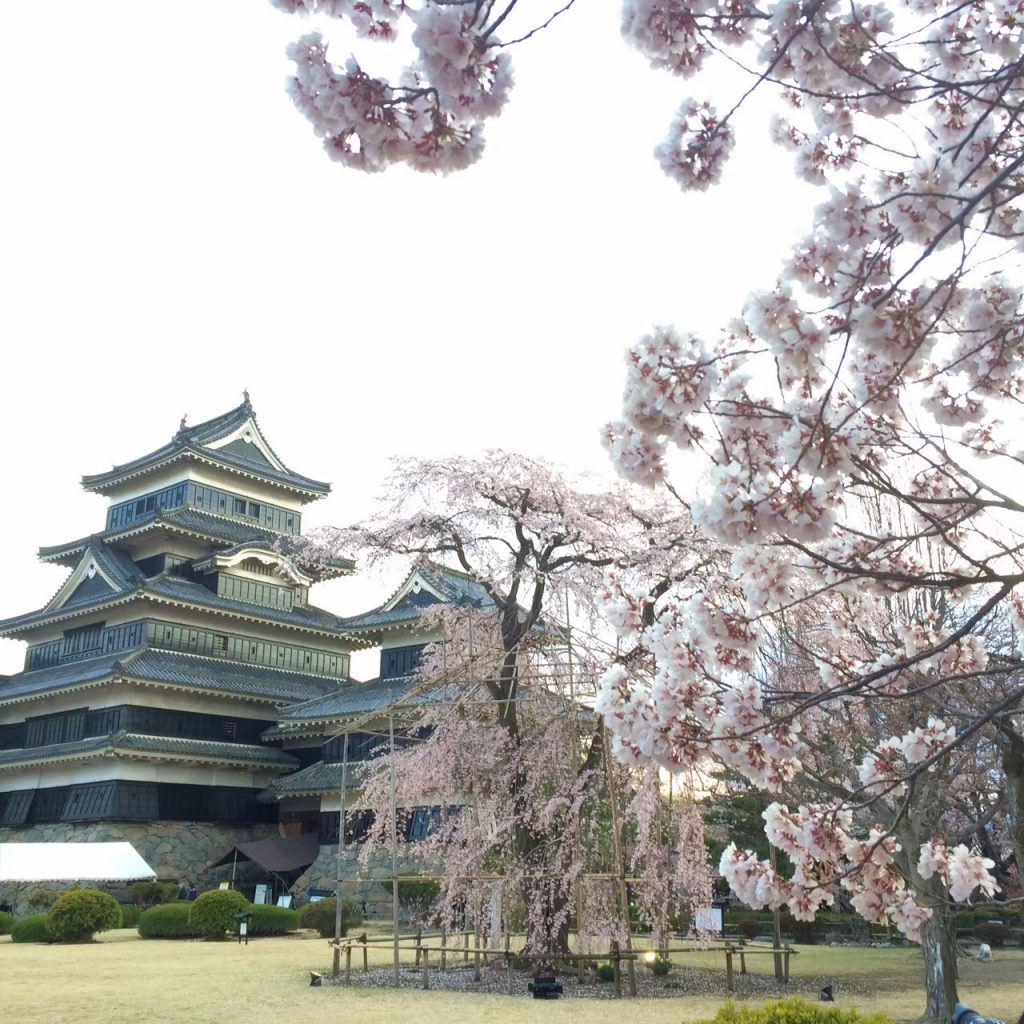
x: 172, y: 233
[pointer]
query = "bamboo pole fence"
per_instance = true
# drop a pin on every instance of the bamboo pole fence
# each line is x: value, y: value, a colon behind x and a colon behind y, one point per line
x: 421, y: 946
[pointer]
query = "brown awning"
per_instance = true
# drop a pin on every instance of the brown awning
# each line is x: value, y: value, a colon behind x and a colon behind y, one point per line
x: 277, y: 855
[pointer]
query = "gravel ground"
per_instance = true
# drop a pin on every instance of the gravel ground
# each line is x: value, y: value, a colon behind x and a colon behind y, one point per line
x: 680, y: 981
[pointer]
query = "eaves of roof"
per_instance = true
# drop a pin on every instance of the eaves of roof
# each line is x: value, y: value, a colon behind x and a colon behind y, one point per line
x: 182, y: 521
x: 317, y: 779
x: 180, y: 451
x: 182, y: 593
x: 348, y: 701
x: 143, y: 747
x: 169, y: 670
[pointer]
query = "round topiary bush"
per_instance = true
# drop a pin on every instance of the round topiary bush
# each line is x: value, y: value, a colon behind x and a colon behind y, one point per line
x: 31, y: 929
x: 78, y: 914
x: 749, y: 929
x: 320, y: 915
x: 168, y: 921
x: 268, y: 920
x: 6, y: 922
x: 213, y: 913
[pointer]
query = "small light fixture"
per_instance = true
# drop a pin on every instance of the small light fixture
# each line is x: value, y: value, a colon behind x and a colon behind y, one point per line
x: 650, y: 956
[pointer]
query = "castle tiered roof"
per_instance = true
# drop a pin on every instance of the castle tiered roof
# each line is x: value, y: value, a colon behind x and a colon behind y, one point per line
x: 230, y: 442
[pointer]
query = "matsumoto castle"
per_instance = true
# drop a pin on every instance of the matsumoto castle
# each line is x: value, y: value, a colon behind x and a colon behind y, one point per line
x: 180, y: 690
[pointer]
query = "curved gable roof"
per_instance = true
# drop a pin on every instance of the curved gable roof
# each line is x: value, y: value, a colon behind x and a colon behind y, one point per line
x: 199, y: 443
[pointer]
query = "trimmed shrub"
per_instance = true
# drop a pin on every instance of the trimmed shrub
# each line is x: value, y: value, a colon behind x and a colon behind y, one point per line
x: 793, y: 1011
x: 415, y: 896
x: 129, y: 915
x: 42, y: 899
x: 320, y: 915
x: 168, y: 921
x: 992, y: 932
x: 6, y: 922
x: 152, y: 894
x: 213, y: 913
x: 750, y: 929
x: 605, y: 972
x: 32, y: 929
x: 268, y: 920
x: 79, y: 913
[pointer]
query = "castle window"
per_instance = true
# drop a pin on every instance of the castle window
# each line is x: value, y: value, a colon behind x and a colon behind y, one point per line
x: 238, y: 506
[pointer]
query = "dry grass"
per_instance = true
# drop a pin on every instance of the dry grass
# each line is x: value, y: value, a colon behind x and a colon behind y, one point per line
x: 123, y: 980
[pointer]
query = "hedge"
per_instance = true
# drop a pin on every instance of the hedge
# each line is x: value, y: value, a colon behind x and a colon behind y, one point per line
x: 152, y: 894
x: 78, y: 914
x: 32, y: 929
x: 213, y: 913
x: 320, y: 915
x: 6, y: 922
x: 168, y: 921
x: 269, y: 920
x: 793, y: 1011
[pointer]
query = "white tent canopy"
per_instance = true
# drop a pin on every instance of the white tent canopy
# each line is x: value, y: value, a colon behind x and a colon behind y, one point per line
x: 72, y: 862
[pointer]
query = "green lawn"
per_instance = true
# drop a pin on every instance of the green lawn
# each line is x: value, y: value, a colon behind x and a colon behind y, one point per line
x: 122, y: 979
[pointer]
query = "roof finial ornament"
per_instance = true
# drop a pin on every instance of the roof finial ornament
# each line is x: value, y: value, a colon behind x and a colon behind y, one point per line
x: 181, y: 426
x: 245, y: 395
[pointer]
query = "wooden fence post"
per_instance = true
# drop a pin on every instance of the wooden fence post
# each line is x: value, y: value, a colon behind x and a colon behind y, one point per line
x: 508, y: 962
x: 743, y: 960
x: 426, y: 958
x: 348, y: 965
x: 476, y: 956
x: 419, y: 940
x: 729, y: 983
x: 336, y: 960
x: 366, y: 953
x: 616, y: 969
x: 785, y: 966
x: 444, y: 951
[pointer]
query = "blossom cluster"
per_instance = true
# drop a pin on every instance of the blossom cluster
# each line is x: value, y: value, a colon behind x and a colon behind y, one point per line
x: 431, y: 117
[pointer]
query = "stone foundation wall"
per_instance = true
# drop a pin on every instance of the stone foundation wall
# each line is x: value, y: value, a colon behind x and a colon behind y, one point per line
x: 362, y: 884
x: 178, y: 851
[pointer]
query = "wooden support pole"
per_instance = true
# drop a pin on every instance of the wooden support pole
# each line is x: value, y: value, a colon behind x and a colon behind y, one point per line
x: 616, y: 969
x: 444, y: 951
x: 394, y: 852
x: 336, y: 960
x: 348, y: 965
x: 476, y: 956
x: 419, y: 943
x: 730, y: 985
x: 465, y: 947
x: 743, y: 960
x: 508, y: 962
x: 620, y: 862
x: 366, y: 953
x: 785, y: 966
x: 426, y: 955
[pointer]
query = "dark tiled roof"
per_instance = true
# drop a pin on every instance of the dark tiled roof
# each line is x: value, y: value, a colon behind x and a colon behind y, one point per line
x: 351, y: 699
x: 307, y: 617
x: 184, y: 671
x: 195, y: 441
x: 136, y: 743
x: 188, y: 520
x: 318, y: 778
x: 452, y: 586
x: 174, y: 590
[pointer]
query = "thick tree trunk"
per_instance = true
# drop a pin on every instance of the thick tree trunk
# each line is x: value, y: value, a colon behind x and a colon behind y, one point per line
x: 1013, y: 766
x: 938, y: 944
